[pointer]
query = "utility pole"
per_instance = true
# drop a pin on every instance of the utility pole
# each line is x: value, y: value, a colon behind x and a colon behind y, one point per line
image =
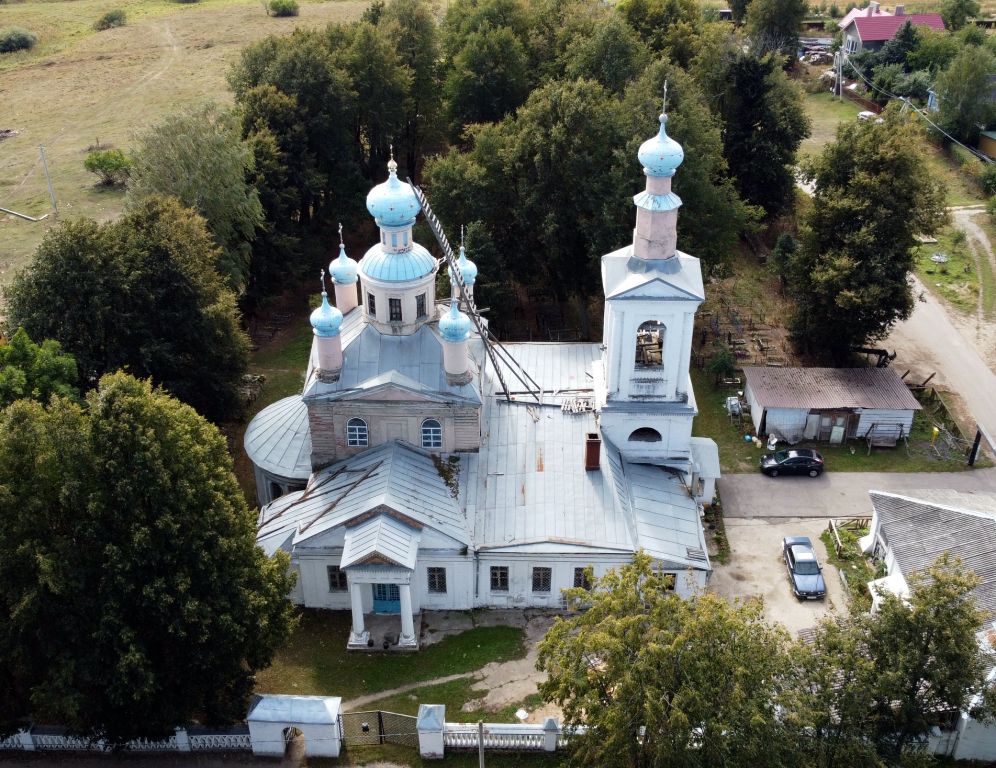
x: 480, y: 743
x: 51, y: 191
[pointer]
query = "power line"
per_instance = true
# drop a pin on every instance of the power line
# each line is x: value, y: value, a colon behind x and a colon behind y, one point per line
x: 908, y: 103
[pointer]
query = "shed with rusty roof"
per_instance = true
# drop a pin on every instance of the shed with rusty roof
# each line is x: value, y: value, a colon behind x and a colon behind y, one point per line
x: 830, y: 404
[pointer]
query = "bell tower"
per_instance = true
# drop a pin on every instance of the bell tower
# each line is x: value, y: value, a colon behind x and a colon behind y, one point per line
x: 652, y: 291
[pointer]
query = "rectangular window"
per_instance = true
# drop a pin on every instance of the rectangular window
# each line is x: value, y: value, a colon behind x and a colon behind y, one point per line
x: 499, y: 578
x: 437, y: 580
x: 420, y: 305
x: 337, y: 579
x: 542, y: 579
x: 394, y: 305
x: 581, y: 578
x: 371, y: 305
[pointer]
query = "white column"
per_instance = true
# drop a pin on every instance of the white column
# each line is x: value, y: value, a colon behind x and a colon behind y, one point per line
x: 407, y: 624
x: 359, y: 636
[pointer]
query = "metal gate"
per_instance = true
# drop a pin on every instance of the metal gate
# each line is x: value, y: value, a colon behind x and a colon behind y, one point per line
x: 378, y: 727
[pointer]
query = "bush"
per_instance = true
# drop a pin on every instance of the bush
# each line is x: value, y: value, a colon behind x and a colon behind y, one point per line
x: 112, y: 166
x: 115, y: 18
x: 16, y: 39
x: 284, y: 7
x: 986, y: 177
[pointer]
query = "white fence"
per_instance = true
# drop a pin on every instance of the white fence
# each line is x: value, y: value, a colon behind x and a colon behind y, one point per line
x: 521, y: 737
x: 56, y: 739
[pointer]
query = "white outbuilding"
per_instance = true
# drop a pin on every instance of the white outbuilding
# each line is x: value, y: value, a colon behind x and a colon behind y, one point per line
x: 274, y: 718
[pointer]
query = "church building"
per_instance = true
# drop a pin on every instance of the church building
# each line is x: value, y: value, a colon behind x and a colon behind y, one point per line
x: 414, y: 473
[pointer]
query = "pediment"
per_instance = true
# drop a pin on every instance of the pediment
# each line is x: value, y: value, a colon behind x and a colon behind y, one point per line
x: 656, y: 288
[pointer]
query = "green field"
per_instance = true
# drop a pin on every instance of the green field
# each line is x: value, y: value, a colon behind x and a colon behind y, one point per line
x: 78, y: 88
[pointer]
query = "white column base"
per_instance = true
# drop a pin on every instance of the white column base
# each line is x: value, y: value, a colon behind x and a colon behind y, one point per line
x: 408, y: 642
x: 358, y: 640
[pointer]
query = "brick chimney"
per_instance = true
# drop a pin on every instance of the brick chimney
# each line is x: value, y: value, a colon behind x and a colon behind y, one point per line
x: 592, y: 451
x: 872, y: 8
x: 900, y: 10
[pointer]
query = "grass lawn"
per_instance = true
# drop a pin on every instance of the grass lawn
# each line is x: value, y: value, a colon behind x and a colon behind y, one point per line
x: 826, y: 112
x: 737, y: 456
x: 314, y: 661
x: 957, y: 280
x: 78, y: 87
x: 857, y: 569
x: 454, y: 694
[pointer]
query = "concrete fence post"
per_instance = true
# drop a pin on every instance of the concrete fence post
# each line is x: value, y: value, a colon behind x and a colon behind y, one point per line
x: 182, y: 740
x: 551, y: 730
x: 430, y: 723
x: 27, y: 741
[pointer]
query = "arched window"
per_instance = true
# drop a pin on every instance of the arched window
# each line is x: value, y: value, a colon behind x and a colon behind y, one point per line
x: 432, y: 434
x: 650, y: 344
x: 356, y: 433
x: 645, y: 435
x: 276, y: 491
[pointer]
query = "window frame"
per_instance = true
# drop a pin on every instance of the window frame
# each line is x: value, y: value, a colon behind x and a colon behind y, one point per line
x: 433, y: 433
x: 581, y: 579
x: 371, y: 304
x: 392, y: 315
x: 435, y: 578
x: 353, y: 439
x: 543, y: 571
x: 341, y: 579
x: 420, y: 305
x: 501, y: 572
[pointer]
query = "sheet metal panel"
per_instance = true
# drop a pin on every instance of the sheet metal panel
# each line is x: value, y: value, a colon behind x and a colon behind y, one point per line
x: 827, y: 388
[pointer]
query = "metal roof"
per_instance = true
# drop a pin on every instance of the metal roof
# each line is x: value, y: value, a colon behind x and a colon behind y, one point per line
x: 397, y: 267
x: 393, y: 475
x: 918, y: 530
x: 372, y: 358
x: 380, y: 540
x: 278, y: 439
x: 829, y: 388
x: 872, y: 29
x: 679, y: 277
x: 308, y: 710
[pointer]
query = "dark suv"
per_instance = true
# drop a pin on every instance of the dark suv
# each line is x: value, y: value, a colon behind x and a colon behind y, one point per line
x: 794, y: 461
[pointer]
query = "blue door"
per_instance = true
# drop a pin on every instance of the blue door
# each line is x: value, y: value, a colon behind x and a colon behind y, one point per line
x: 387, y: 599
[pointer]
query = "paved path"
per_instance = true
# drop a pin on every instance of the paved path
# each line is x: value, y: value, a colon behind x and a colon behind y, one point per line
x: 361, y: 701
x: 834, y: 494
x: 929, y: 339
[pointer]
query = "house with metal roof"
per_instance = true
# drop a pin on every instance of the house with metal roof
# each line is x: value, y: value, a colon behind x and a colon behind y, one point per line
x: 869, y: 33
x: 424, y: 466
x: 829, y: 404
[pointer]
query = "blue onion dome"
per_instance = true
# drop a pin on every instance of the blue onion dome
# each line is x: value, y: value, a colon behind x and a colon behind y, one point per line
x: 393, y: 203
x: 468, y: 269
x: 661, y: 155
x: 401, y: 267
x: 454, y: 326
x: 326, y: 320
x: 343, y: 270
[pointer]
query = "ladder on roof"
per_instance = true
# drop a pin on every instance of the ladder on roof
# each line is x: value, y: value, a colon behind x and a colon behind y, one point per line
x: 496, y: 352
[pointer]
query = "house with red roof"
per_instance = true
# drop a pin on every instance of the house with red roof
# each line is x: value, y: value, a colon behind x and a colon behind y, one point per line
x: 869, y: 33
x: 872, y: 9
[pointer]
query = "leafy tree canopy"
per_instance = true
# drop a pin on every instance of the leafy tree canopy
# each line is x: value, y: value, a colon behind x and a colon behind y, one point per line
x: 142, y: 294
x: 773, y: 25
x: 964, y: 93
x: 933, y: 51
x: 199, y: 158
x: 37, y: 371
x: 956, y: 13
x: 661, y: 680
x: 133, y: 593
x: 874, y: 193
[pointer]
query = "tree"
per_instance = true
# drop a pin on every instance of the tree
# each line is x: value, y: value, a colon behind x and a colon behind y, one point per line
x: 773, y: 25
x: 933, y: 51
x: 112, y: 166
x: 900, y: 46
x: 38, y: 371
x: 874, y: 194
x: 669, y: 27
x: 143, y: 295
x: 956, y: 13
x: 722, y: 365
x: 964, y: 94
x: 662, y: 680
x: 199, y: 158
x: 739, y: 9
x: 927, y: 656
x: 612, y: 54
x: 488, y: 79
x: 764, y: 122
x: 133, y: 593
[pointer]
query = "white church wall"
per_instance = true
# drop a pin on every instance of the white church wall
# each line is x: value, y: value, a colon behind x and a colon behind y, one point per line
x: 675, y: 431
x: 520, y: 577
x: 459, y: 593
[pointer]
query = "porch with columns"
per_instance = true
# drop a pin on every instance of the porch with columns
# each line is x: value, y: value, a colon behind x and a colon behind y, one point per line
x: 369, y: 632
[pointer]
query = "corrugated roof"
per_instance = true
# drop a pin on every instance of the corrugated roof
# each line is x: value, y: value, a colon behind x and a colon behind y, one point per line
x: 278, y: 439
x: 919, y: 530
x: 829, y: 388
x: 282, y: 708
x: 380, y: 539
x: 396, y: 475
x: 873, y: 29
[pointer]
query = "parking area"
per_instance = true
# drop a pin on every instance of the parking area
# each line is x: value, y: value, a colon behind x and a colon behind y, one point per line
x: 756, y: 569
